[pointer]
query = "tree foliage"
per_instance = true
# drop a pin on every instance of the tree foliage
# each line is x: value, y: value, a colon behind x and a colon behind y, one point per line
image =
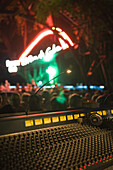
x: 91, y: 22
x: 94, y: 16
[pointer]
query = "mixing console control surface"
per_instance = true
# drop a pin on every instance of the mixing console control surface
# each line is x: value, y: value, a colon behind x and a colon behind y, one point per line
x: 72, y: 147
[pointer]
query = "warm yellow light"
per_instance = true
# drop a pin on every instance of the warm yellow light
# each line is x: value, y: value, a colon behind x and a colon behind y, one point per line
x: 68, y: 71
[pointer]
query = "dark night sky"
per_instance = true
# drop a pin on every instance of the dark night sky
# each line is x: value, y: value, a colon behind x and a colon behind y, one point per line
x: 65, y: 59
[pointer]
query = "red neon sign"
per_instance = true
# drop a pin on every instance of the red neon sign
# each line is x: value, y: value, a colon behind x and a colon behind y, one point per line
x: 43, y: 34
x: 38, y: 38
x: 13, y: 65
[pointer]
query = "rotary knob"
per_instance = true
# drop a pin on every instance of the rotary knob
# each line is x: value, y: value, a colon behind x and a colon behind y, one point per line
x: 95, y: 119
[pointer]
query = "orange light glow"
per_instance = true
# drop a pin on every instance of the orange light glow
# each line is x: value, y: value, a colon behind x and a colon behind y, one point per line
x: 53, y: 28
x: 66, y: 37
x: 58, y: 29
x: 63, y: 44
x: 76, y: 46
x: 89, y: 73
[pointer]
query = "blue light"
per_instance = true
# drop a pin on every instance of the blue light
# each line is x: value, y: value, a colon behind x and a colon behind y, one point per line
x: 101, y: 87
x: 91, y: 87
x: 96, y: 87
x: 69, y: 87
x: 12, y: 87
x: 81, y: 87
x: 48, y: 87
x: 40, y: 82
x: 85, y: 87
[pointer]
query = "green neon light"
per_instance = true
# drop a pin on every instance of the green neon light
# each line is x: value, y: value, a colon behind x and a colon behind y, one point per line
x: 61, y: 98
x: 52, y: 72
x: 45, y: 56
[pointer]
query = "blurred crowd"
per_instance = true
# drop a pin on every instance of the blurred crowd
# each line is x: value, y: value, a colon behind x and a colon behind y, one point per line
x: 32, y: 98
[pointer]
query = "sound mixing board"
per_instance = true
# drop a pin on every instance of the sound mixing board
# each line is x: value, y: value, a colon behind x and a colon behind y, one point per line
x: 71, y: 140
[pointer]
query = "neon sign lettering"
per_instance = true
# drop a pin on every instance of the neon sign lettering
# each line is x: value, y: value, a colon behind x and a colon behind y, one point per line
x: 63, y: 35
x: 38, y: 38
x: 47, y: 56
x: 13, y: 65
